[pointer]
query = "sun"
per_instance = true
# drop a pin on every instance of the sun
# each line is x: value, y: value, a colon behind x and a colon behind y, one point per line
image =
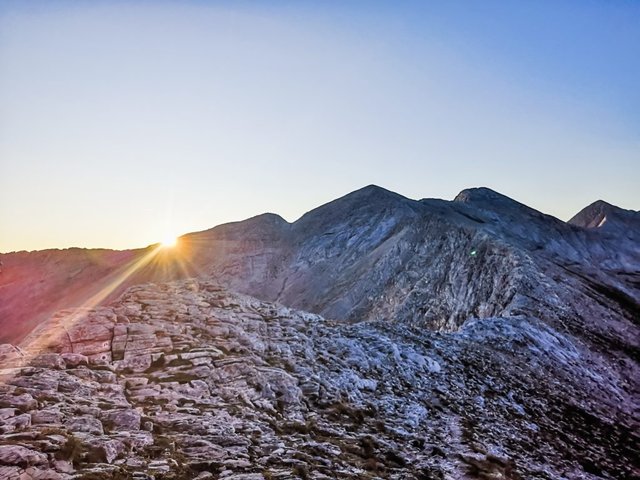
x: 169, y: 241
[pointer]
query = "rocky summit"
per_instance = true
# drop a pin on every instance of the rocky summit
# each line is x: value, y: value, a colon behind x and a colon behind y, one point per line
x: 375, y: 337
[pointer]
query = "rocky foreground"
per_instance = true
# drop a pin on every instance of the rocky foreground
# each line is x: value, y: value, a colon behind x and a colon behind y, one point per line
x: 186, y: 380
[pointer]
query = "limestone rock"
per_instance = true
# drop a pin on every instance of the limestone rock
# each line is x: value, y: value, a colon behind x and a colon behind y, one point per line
x: 48, y: 360
x: 85, y: 423
x: 23, y: 402
x: 252, y: 389
x: 47, y: 417
x: 124, y: 419
x: 73, y: 360
x: 21, y: 456
x: 469, y: 339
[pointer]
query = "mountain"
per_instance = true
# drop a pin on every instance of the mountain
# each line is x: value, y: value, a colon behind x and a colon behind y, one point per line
x: 392, y: 338
x: 604, y: 217
x: 372, y: 254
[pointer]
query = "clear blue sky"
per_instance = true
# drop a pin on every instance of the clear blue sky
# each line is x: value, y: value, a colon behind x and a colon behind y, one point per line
x: 122, y: 121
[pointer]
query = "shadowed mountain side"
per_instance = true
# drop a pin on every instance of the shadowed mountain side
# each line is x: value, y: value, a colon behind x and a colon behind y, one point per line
x: 376, y: 255
x: 371, y: 254
x: 609, y: 221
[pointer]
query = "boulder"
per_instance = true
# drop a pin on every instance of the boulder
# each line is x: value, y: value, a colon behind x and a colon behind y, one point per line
x: 101, y: 451
x: 21, y: 456
x: 46, y: 417
x: 85, y: 423
x: 17, y: 423
x: 90, y: 338
x: 122, y: 420
x: 7, y: 413
x: 136, y: 364
x: 73, y: 360
x: 48, y: 360
x: 24, y: 402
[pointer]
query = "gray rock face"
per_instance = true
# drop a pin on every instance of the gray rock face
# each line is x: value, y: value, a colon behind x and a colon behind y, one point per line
x: 21, y: 456
x: 375, y: 255
x: 234, y: 387
x: 476, y: 338
x: 122, y: 420
x: 603, y: 215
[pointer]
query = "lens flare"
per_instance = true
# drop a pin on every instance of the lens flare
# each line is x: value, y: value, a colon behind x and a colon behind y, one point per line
x: 169, y: 241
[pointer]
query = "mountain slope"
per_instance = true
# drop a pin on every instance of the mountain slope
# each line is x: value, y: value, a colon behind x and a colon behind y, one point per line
x: 374, y: 254
x: 476, y: 338
x: 379, y: 256
x: 178, y: 379
x: 603, y: 215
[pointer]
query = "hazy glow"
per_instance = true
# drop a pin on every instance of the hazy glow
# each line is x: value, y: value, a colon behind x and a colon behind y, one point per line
x: 41, y: 336
x: 169, y: 241
x: 169, y: 263
x: 120, y: 121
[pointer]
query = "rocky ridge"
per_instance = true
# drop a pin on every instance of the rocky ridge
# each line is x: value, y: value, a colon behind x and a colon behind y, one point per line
x: 186, y: 380
x: 372, y: 255
x: 375, y: 255
x: 476, y: 338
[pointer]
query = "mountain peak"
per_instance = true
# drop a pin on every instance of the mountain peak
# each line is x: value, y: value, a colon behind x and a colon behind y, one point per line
x: 490, y: 200
x: 481, y: 194
x: 365, y: 199
x: 373, y: 191
x: 601, y: 213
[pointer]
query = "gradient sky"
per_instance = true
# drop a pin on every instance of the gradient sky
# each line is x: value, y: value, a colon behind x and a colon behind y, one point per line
x: 123, y: 121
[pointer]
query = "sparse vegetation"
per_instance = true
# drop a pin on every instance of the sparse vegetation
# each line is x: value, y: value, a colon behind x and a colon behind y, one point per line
x: 73, y: 451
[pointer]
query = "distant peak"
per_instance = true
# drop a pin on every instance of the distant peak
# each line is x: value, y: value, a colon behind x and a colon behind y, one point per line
x: 480, y: 194
x: 486, y: 199
x: 373, y: 187
x: 371, y: 198
x: 370, y: 193
x: 602, y: 204
x: 600, y: 213
x: 374, y: 190
x: 268, y: 217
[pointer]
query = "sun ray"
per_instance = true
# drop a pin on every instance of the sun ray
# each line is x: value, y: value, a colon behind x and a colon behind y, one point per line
x: 165, y: 261
x: 40, y: 336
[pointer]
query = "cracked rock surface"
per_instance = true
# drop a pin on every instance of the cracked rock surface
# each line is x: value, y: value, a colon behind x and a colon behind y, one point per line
x: 186, y: 380
x: 476, y: 338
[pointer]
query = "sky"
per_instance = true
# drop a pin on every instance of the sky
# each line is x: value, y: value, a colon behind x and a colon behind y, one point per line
x: 124, y: 122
